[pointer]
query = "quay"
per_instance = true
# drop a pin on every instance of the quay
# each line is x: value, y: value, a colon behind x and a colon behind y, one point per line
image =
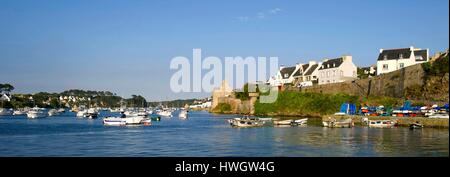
x: 402, y: 121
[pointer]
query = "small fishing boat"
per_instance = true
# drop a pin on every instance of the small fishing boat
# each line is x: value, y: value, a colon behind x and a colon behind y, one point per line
x: 5, y: 112
x: 266, y: 119
x: 381, y: 123
x: 19, y: 113
x: 53, y: 112
x: 291, y: 122
x: 91, y: 113
x: 282, y: 122
x: 300, y: 122
x: 82, y: 113
x: 333, y: 123
x: 36, y: 113
x: 246, y: 122
x: 415, y: 126
x: 165, y: 113
x: 183, y: 114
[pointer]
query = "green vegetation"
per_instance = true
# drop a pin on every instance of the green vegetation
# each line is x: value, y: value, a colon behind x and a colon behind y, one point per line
x: 291, y: 103
x: 6, y: 88
x: 222, y: 108
x: 297, y: 103
x: 437, y: 68
x: 71, y: 98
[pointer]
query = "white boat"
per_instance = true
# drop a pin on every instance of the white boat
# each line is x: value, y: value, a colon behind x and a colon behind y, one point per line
x: 165, y: 113
x: 282, y: 122
x: 183, y: 114
x: 291, y: 122
x: 19, y: 113
x: 381, y: 123
x: 246, y: 122
x: 82, y: 113
x: 5, y: 112
x: 439, y: 116
x: 126, y: 121
x: 266, y: 119
x: 91, y: 113
x: 36, y: 113
x: 61, y: 110
x: 300, y: 121
x: 53, y: 112
x: 333, y: 123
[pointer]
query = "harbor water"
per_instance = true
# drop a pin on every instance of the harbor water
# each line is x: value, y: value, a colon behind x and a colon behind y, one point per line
x: 208, y: 135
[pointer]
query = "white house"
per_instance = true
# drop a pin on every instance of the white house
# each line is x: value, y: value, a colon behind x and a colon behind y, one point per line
x: 310, y: 74
x: 285, y: 76
x: 5, y: 97
x: 394, y: 59
x: 337, y: 70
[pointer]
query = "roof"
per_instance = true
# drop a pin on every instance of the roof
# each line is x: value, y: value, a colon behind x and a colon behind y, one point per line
x: 422, y: 53
x: 394, y: 54
x: 333, y: 63
x: 298, y: 73
x: 305, y: 66
x: 311, y: 69
x: 287, y: 70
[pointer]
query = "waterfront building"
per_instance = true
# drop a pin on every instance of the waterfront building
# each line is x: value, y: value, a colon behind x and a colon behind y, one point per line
x: 337, y: 70
x: 394, y: 59
x: 310, y: 74
x: 5, y: 97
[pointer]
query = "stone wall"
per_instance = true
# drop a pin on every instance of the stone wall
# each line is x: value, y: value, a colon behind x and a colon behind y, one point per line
x: 391, y: 84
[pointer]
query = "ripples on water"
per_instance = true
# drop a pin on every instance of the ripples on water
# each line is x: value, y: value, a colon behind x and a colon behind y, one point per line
x: 205, y: 134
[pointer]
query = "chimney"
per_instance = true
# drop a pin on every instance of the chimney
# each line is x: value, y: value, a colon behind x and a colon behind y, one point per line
x: 312, y: 63
x: 281, y: 67
x: 411, y: 48
x: 381, y: 50
x: 347, y: 58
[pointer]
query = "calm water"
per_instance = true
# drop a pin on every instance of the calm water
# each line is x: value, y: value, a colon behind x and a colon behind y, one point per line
x: 204, y: 134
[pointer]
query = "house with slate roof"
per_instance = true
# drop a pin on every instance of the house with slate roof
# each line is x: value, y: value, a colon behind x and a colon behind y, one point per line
x: 311, y: 74
x: 394, y: 59
x: 337, y: 70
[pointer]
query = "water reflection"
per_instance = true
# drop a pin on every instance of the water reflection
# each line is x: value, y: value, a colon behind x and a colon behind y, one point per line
x: 205, y: 134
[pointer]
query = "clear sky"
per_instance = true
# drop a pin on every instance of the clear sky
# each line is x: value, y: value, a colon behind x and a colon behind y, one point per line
x: 126, y: 46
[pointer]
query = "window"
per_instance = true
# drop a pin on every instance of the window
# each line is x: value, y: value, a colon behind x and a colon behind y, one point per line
x: 400, y: 56
x: 342, y: 73
x: 328, y: 73
x: 385, y: 66
x: 402, y: 65
x: 385, y: 57
x: 286, y: 75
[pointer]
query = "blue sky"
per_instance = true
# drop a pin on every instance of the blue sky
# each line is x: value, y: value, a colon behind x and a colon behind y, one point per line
x: 126, y: 46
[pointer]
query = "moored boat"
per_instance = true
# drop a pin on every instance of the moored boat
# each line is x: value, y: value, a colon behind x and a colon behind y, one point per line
x: 53, y: 112
x: 246, y: 122
x: 333, y: 123
x: 183, y: 114
x: 5, y: 112
x: 415, y: 125
x: 36, y: 113
x: 381, y: 123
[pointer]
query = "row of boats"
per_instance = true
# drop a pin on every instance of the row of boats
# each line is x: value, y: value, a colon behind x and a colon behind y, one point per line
x: 140, y: 118
x: 31, y: 113
x: 129, y: 116
x: 348, y: 123
x: 247, y: 121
